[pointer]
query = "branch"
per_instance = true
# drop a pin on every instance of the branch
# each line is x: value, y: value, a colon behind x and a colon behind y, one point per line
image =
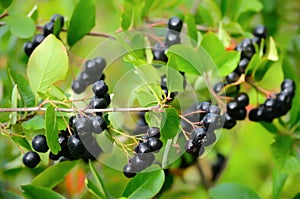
x: 69, y: 110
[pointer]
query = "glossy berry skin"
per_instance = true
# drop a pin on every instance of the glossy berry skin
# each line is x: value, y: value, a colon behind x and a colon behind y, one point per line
x: 31, y: 159
x: 153, y: 132
x: 218, y: 87
x: 198, y: 135
x: 172, y: 38
x: 138, y: 164
x: 85, y: 78
x: 260, y: 32
x: 232, y: 108
x: 229, y: 122
x: 247, y: 48
x: 37, y: 40
x: 147, y: 157
x: 212, y: 121
x: 78, y: 86
x: 72, y: 121
x: 242, y: 65
x: 242, y: 100
x: 48, y: 28
x: 53, y: 156
x: 97, y: 103
x: 163, y: 81
x: 242, y: 114
x: 28, y: 48
x: 98, y: 124
x: 142, y: 148
x: 128, y: 171
x: 232, y: 77
x: 100, y: 88
x: 154, y: 143
x: 194, y: 149
x: 75, y: 146
x: 107, y: 99
x: 175, y: 23
x: 214, y: 109
x: 158, y: 52
x: 209, y: 139
x: 83, y: 126
x: 39, y: 144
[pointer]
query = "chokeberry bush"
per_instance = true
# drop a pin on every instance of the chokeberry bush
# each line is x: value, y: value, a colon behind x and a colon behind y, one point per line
x: 149, y: 99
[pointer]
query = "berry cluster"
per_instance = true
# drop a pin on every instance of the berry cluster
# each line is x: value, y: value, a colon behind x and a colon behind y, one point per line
x: 172, y: 37
x: 277, y: 106
x: 92, y: 72
x: 54, y: 26
x: 210, y: 120
x: 101, y: 98
x: 144, y: 157
x: 31, y: 159
x: 236, y: 110
x: 163, y: 85
x: 247, y: 49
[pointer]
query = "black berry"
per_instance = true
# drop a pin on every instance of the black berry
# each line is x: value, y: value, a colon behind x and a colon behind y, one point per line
x: 128, y: 171
x: 153, y: 132
x: 31, y: 159
x: 39, y: 143
x: 175, y: 23
x: 100, y: 88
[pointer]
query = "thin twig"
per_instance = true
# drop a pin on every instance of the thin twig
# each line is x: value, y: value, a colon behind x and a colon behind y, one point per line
x: 4, y: 14
x: 69, y: 110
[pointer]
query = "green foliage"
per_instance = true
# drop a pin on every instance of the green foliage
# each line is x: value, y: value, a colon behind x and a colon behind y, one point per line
x: 9, y: 195
x: 32, y: 192
x: 51, y: 130
x: 5, y: 3
x: 47, y: 64
x: 232, y: 190
x: 53, y: 175
x: 278, y: 180
x: 170, y: 127
x: 174, y: 80
x: 191, y: 28
x: 82, y: 20
x: 145, y: 185
x: 20, y: 25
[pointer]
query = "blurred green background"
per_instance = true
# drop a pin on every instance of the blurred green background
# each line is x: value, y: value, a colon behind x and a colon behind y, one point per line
x: 247, y: 146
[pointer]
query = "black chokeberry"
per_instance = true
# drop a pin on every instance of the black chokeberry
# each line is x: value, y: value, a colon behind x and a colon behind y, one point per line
x: 58, y: 17
x: 233, y: 108
x: 153, y: 132
x: 100, y: 88
x: 175, y: 23
x: 31, y: 159
x: 48, y: 28
x: 138, y: 164
x: 107, y: 99
x: 260, y: 32
x: 232, y: 77
x: 212, y: 120
x: 247, y: 48
x: 37, y: 39
x: 154, y: 143
x: 242, y: 100
x: 75, y: 146
x: 159, y: 53
x: 214, y: 109
x: 242, y: 114
x: 98, y: 124
x: 28, y: 48
x: 210, y: 138
x: 39, y: 143
x: 241, y: 68
x: 129, y: 171
x: 172, y: 38
x: 142, y: 148
x: 53, y: 156
x: 83, y: 126
x: 78, y: 86
x: 229, y: 122
x: 197, y: 135
x: 97, y: 103
x: 218, y: 87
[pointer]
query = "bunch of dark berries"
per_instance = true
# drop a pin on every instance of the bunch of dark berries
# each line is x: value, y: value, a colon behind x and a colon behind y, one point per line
x: 172, y: 37
x: 92, y: 72
x: 101, y: 98
x: 247, y: 49
x: 39, y: 143
x: 144, y: 157
x: 202, y: 136
x: 276, y: 106
x: 54, y: 26
x: 236, y: 110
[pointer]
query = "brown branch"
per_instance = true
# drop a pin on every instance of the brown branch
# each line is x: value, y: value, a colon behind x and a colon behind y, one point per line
x: 4, y: 14
x: 69, y: 110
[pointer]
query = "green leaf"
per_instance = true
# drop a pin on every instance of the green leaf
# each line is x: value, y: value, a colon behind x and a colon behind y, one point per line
x: 33, y: 192
x: 20, y: 25
x: 278, y: 180
x: 47, y: 64
x: 145, y: 98
x: 270, y: 127
x: 82, y: 21
x: 21, y: 142
x: 51, y: 130
x: 239, y: 7
x: 254, y: 62
x: 5, y: 3
x: 153, y: 119
x: 191, y: 28
x: 53, y: 175
x: 132, y: 13
x: 226, y: 61
x: 143, y: 69
x: 174, y: 80
x: 145, y: 185
x: 189, y: 60
x: 262, y: 69
x: 35, y: 123
x: 23, y: 87
x: 272, y: 53
x: 170, y: 128
x: 223, y: 35
x: 232, y: 191
x: 100, y: 182
x: 94, y: 189
x: 281, y: 149
x: 209, y: 12
x: 14, y: 104
x: 9, y: 195
x: 291, y: 165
